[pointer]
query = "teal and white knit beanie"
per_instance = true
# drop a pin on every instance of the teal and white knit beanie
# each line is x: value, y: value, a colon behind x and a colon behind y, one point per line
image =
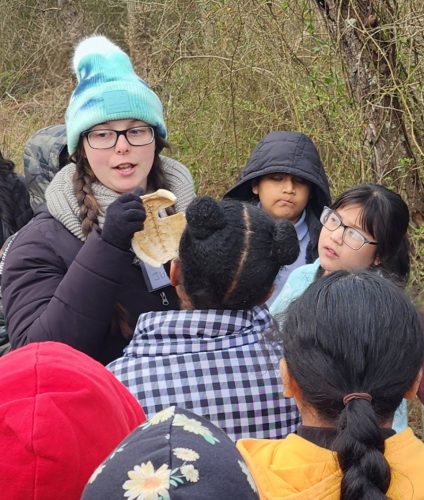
x: 108, y: 89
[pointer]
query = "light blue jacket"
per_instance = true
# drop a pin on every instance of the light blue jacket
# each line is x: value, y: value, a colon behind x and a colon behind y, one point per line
x: 296, y: 284
x: 303, y: 238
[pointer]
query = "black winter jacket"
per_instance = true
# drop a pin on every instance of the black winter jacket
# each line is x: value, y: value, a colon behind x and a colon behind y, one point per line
x: 292, y: 153
x: 55, y: 287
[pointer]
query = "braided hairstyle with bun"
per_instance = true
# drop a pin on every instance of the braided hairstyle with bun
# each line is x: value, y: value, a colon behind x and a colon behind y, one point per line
x: 230, y: 253
x: 354, y: 333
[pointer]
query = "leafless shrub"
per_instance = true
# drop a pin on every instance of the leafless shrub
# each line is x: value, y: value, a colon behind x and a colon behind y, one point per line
x: 228, y: 72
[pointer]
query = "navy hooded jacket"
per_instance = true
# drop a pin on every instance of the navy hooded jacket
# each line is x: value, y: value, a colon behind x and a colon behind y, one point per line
x: 295, y: 154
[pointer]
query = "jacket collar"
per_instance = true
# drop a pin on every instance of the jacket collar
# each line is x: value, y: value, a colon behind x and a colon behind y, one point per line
x: 177, y: 332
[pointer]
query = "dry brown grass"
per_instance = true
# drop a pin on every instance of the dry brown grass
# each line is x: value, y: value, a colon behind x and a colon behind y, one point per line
x: 228, y: 72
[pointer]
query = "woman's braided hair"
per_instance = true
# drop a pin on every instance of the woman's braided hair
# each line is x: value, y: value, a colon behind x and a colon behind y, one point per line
x: 348, y: 333
x: 88, y: 206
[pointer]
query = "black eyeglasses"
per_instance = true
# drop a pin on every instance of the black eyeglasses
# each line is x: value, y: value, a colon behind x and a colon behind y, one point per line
x: 351, y: 236
x: 107, y: 138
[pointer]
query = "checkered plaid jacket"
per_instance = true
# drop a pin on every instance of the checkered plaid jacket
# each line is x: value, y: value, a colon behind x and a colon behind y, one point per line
x: 213, y: 363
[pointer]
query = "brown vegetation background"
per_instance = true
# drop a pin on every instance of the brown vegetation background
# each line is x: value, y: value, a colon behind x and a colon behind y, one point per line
x: 347, y: 73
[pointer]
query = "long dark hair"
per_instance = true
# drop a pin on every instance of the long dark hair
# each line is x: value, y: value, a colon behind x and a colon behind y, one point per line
x: 354, y: 332
x: 385, y: 216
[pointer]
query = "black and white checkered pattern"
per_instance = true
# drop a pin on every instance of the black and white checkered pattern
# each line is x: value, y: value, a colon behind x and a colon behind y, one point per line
x: 213, y: 363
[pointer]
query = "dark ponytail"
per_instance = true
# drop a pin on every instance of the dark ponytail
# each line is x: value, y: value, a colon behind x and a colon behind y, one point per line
x: 350, y: 333
x: 360, y: 452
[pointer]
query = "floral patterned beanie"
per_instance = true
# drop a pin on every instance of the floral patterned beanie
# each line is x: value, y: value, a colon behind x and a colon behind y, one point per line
x: 175, y: 455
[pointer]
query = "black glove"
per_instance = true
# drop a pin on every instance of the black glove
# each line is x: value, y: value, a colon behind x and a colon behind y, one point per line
x: 124, y: 217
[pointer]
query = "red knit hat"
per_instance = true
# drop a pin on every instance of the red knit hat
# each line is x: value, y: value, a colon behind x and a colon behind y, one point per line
x: 61, y: 414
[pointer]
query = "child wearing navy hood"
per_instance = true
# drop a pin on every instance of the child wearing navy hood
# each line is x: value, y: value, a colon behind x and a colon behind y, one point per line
x: 285, y: 176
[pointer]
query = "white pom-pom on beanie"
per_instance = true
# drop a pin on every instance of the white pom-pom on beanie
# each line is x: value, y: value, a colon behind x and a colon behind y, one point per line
x: 108, y: 89
x: 93, y: 45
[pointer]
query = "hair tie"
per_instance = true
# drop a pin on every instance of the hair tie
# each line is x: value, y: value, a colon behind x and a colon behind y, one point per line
x: 356, y: 395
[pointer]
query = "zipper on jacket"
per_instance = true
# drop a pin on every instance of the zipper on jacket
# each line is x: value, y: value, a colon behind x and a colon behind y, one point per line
x: 164, y: 298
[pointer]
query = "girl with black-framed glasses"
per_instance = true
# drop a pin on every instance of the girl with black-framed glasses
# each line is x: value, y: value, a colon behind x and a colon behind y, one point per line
x: 365, y: 228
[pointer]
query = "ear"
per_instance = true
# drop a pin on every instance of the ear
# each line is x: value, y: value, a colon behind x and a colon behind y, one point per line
x: 255, y: 187
x: 376, y: 261
x: 412, y: 391
x: 287, y: 378
x: 175, y: 272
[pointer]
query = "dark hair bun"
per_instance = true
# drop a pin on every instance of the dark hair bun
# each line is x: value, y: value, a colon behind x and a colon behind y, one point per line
x: 204, y: 217
x: 285, y: 247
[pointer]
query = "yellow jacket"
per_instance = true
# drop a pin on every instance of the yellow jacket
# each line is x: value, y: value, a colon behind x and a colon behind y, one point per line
x: 294, y: 468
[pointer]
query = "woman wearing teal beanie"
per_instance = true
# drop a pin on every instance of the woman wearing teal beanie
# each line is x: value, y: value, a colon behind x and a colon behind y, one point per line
x: 70, y: 275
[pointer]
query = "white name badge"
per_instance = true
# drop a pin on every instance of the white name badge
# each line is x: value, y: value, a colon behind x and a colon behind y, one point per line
x: 155, y: 277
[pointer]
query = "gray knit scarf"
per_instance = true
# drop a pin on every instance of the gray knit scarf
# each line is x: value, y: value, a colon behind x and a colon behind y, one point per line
x: 63, y: 205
